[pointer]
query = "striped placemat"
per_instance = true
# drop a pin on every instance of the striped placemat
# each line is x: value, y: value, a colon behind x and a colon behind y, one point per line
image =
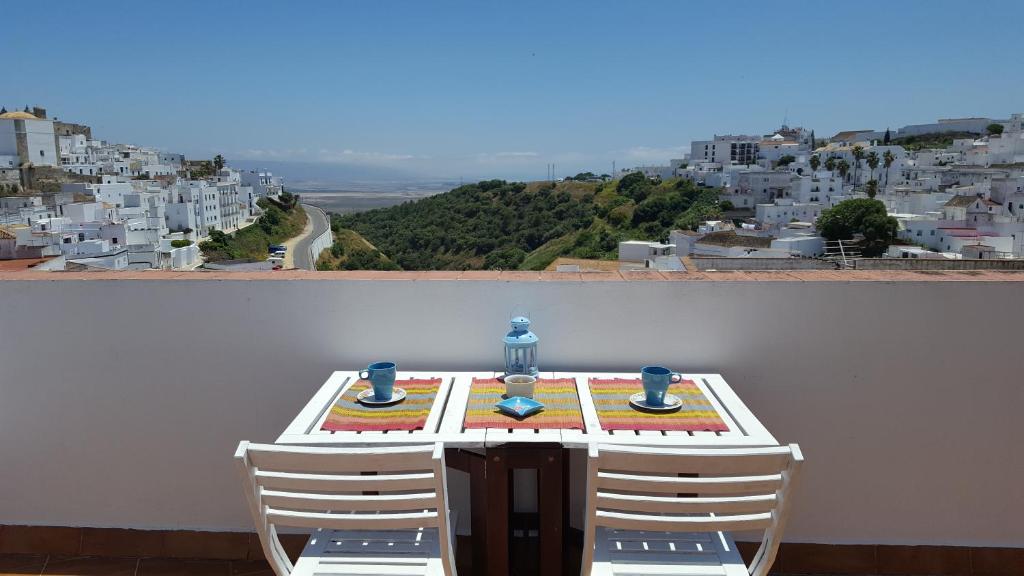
x: 611, y: 400
x: 409, y: 414
x: 561, y: 406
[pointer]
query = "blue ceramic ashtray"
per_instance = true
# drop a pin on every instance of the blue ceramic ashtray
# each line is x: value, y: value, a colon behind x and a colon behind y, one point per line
x: 519, y: 406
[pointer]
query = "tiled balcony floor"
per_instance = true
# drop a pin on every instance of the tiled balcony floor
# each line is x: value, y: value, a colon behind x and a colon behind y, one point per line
x: 36, y: 564
x: 117, y: 552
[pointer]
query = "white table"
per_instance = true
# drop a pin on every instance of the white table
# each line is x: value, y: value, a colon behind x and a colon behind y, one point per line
x: 488, y: 454
x: 445, y: 422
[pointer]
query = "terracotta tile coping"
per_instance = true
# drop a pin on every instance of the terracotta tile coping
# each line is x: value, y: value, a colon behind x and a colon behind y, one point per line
x: 793, y: 558
x: 525, y: 276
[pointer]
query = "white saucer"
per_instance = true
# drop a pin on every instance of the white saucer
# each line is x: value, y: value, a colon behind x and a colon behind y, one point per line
x: 366, y: 397
x: 639, y: 401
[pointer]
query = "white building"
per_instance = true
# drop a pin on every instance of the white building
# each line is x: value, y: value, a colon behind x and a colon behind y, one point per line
x: 263, y: 183
x: 786, y: 210
x: 111, y: 192
x: 28, y: 138
x: 643, y: 255
x: 642, y: 250
x: 1008, y: 147
x: 726, y: 150
x: 747, y: 188
x: 777, y: 147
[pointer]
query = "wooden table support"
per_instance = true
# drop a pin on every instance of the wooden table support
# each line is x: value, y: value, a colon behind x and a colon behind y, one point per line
x: 500, y: 462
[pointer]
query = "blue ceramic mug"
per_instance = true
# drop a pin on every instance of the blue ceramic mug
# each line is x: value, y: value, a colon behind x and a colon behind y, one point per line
x: 656, y: 381
x: 382, y: 376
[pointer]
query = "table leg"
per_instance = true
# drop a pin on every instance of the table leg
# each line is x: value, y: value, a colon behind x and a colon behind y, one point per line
x: 497, y: 512
x: 551, y: 518
x: 478, y: 504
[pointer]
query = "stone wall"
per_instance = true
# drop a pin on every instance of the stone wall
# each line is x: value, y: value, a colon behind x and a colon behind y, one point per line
x: 936, y: 264
x: 762, y: 264
x: 49, y: 178
x: 69, y: 128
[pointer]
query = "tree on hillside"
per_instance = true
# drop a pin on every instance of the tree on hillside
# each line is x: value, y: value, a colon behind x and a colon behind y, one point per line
x: 994, y: 129
x: 859, y: 216
x: 634, y: 185
x: 887, y: 159
x: 813, y: 143
x: 872, y: 188
x: 830, y: 163
x: 844, y: 168
x: 815, y: 162
x: 218, y: 162
x: 872, y: 162
x: 786, y: 160
x: 858, y: 155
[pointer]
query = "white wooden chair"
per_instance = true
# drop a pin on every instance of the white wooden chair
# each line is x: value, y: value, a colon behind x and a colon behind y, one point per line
x: 666, y: 511
x: 374, y: 510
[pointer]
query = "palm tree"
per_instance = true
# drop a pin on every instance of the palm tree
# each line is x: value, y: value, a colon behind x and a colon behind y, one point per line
x: 887, y: 159
x: 858, y: 155
x: 815, y: 162
x: 844, y: 168
x: 830, y: 163
x: 872, y: 161
x: 872, y: 188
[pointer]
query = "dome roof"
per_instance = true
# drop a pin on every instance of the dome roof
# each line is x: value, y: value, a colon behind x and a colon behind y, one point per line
x: 17, y: 116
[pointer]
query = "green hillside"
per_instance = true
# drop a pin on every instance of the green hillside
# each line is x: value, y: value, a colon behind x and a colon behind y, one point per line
x: 282, y: 219
x: 511, y: 225
x: 939, y: 140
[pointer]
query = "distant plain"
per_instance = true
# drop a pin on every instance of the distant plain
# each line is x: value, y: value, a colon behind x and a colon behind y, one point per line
x: 366, y: 197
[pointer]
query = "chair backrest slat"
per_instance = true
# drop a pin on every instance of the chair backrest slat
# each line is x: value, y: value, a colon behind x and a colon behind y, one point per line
x: 673, y: 485
x: 340, y: 460
x: 625, y: 521
x: 686, y: 505
x: 353, y: 521
x: 739, y: 461
x: 344, y: 483
x: 349, y: 502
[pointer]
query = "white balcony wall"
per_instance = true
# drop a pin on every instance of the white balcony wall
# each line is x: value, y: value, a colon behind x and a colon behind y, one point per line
x: 121, y: 401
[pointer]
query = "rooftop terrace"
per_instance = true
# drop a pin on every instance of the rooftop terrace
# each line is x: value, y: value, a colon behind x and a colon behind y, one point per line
x: 124, y: 395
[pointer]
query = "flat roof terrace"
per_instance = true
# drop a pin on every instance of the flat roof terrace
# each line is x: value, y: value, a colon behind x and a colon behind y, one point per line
x: 911, y: 433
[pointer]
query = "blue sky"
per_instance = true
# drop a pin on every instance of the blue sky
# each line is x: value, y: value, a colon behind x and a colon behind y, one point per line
x: 486, y: 88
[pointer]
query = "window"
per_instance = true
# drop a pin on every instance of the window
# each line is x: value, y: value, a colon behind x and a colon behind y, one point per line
x: 918, y: 232
x: 114, y: 239
x: 932, y: 233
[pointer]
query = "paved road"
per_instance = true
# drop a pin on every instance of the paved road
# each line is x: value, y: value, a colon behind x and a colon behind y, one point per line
x: 320, y: 225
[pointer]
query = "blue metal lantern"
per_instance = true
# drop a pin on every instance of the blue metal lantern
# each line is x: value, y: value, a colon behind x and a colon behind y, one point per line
x: 521, y: 348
